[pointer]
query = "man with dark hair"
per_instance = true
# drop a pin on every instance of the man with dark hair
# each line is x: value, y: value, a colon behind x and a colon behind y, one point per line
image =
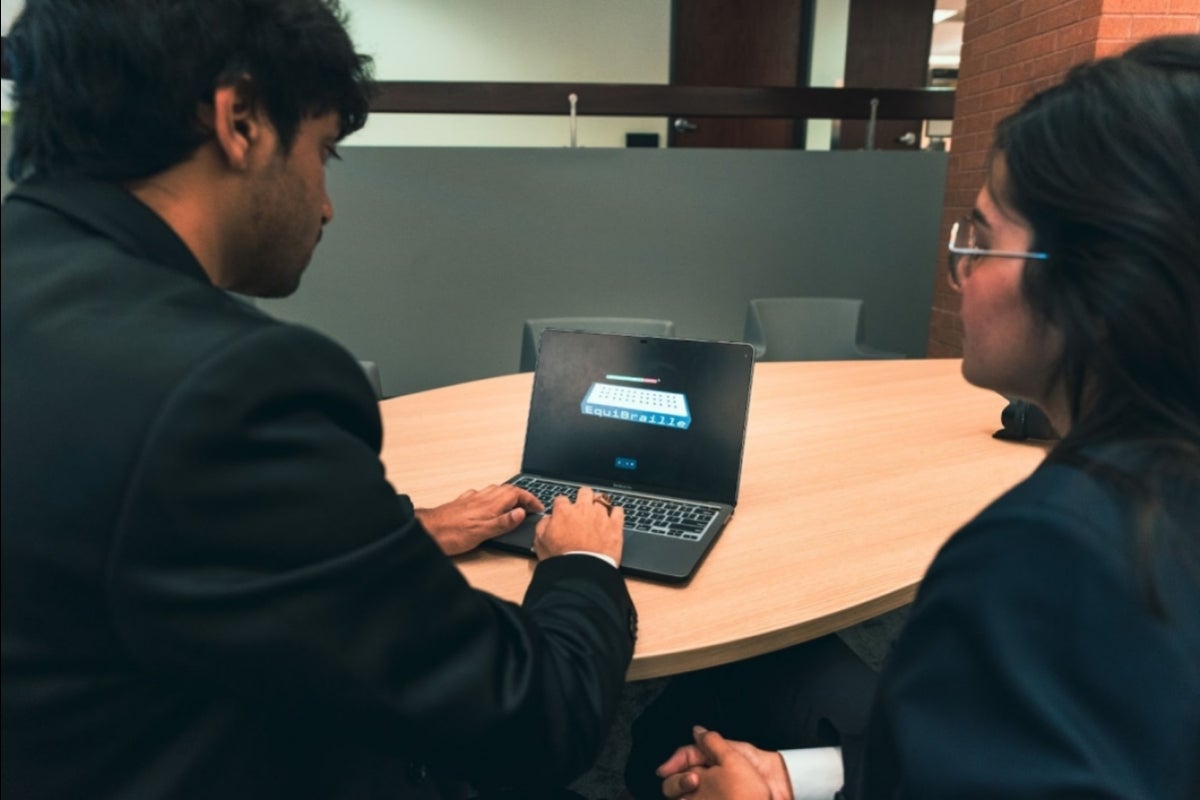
x: 209, y: 588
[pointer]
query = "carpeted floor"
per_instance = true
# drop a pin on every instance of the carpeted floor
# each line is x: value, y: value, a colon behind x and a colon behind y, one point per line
x: 871, y: 640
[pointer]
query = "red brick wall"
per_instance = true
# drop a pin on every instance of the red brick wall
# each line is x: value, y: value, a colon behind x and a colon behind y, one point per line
x: 1012, y: 49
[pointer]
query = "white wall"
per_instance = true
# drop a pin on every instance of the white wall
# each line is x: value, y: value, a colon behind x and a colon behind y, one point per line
x: 827, y: 68
x: 557, y: 41
x: 8, y: 12
x: 597, y: 41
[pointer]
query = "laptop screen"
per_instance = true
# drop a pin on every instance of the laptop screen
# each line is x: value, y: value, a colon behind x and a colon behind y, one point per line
x: 664, y: 416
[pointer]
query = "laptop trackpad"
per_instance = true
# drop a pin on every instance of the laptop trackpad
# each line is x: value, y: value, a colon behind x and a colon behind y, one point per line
x: 519, y: 539
x: 673, y: 560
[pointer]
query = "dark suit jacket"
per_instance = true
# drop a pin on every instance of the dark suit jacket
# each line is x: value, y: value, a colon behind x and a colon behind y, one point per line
x: 1034, y: 663
x: 209, y: 588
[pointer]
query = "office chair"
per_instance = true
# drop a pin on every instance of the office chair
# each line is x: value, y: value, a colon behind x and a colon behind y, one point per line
x: 371, y: 369
x: 634, y: 325
x: 808, y: 329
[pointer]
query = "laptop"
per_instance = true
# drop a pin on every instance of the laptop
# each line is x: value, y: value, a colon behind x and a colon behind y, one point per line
x: 658, y: 424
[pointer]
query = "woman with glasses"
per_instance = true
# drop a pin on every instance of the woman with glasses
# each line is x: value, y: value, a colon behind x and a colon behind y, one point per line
x: 1054, y: 646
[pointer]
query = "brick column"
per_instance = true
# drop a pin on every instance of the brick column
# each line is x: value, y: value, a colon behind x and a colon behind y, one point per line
x: 1012, y: 49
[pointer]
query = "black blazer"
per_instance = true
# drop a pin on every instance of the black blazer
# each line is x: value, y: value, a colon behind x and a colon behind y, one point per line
x: 1041, y: 660
x: 209, y: 588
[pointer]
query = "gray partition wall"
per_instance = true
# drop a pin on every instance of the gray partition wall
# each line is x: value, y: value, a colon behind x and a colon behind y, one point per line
x: 435, y: 257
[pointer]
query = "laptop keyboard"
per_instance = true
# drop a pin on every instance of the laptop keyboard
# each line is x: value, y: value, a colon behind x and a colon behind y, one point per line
x: 653, y: 515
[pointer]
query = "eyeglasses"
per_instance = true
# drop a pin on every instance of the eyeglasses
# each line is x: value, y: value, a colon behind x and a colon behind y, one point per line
x: 965, y: 251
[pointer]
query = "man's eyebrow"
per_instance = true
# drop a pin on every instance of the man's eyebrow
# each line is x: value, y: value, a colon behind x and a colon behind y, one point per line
x: 978, y: 218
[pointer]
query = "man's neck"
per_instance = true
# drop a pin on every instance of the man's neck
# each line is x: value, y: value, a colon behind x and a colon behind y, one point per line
x: 190, y: 198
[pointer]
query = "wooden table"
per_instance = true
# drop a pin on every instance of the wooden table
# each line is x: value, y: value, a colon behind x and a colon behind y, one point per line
x: 854, y: 475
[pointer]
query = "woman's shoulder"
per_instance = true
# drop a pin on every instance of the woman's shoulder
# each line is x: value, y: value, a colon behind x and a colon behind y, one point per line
x: 1037, y: 624
x: 1063, y: 494
x: 1075, y: 527
x: 1102, y: 498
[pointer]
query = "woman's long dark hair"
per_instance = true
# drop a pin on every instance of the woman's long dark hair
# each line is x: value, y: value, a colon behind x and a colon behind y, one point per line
x: 1106, y: 168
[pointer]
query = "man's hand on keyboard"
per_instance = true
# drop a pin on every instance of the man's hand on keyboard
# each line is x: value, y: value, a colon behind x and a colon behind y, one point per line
x: 475, y: 516
x: 583, y: 525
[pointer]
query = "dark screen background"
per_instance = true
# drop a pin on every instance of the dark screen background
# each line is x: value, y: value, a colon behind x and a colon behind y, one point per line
x: 702, y: 462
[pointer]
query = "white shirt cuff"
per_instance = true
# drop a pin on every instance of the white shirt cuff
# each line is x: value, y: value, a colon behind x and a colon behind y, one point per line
x: 607, y: 559
x: 816, y: 773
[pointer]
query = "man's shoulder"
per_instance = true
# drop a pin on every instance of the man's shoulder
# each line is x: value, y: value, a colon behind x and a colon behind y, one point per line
x: 113, y: 273
x: 110, y: 305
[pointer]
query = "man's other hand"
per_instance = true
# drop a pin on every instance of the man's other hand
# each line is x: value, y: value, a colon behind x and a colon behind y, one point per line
x: 476, y: 516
